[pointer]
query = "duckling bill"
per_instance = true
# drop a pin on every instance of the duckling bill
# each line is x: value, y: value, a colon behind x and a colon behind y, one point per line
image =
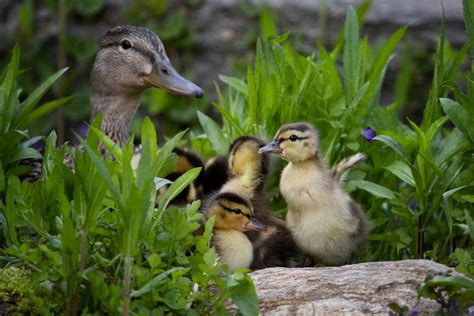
x: 323, y: 219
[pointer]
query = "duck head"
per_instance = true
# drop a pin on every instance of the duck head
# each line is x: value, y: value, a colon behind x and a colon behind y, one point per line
x: 130, y: 60
x: 296, y: 142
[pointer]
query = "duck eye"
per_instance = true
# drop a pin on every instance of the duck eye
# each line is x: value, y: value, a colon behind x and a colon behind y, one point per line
x: 126, y: 44
x: 165, y: 71
x: 293, y: 138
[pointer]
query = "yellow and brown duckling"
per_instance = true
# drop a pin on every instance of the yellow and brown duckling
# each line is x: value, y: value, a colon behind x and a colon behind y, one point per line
x: 274, y: 247
x: 322, y: 217
x: 233, y: 216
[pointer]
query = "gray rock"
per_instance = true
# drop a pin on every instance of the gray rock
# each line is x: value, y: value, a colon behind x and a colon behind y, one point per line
x: 365, y: 288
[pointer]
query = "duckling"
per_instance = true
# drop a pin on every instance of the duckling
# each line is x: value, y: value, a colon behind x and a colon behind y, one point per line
x: 324, y: 220
x: 186, y: 160
x: 130, y: 60
x: 233, y: 216
x: 274, y: 247
x: 215, y: 174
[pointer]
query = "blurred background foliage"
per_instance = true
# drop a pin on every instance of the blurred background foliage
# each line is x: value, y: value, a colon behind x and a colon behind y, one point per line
x: 55, y: 34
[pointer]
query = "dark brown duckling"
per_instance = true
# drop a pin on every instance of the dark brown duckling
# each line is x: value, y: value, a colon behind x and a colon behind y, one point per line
x: 215, y: 174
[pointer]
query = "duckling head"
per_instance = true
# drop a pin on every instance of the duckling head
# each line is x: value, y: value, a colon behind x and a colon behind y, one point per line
x: 244, y: 157
x: 296, y: 142
x: 233, y: 212
x: 130, y: 60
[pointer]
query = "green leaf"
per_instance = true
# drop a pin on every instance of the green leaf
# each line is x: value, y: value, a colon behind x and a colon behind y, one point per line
x: 402, y: 171
x: 108, y: 143
x: 34, y: 97
x: 24, y: 153
x: 235, y: 83
x: 178, y: 186
x: 46, y: 108
x: 244, y: 295
x: 380, y: 64
x: 351, y: 55
x: 214, y: 133
x: 159, y: 279
x: 390, y: 142
x: 468, y: 9
x: 374, y: 189
x: 460, y: 117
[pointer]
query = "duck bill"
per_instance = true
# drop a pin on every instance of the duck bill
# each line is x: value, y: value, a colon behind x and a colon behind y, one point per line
x: 271, y: 148
x: 166, y: 77
x: 255, y: 225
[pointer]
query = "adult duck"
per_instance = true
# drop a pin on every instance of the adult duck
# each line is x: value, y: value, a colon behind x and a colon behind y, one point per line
x: 130, y: 60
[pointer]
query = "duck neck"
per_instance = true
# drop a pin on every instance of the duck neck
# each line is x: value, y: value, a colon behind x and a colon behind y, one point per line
x: 118, y: 111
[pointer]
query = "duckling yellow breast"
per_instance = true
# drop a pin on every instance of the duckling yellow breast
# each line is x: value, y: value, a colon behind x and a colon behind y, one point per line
x: 319, y: 215
x: 234, y: 248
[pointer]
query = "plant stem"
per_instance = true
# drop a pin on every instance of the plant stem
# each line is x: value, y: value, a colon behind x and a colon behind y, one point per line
x: 60, y: 126
x: 126, y: 284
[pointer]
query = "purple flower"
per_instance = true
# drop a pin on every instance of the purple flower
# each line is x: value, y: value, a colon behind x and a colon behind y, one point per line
x: 413, y: 204
x: 369, y: 134
x: 83, y: 129
x: 39, y: 145
x: 415, y: 310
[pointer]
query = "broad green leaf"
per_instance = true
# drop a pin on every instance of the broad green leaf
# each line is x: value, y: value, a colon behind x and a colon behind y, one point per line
x: 178, y: 186
x: 244, y: 295
x: 46, y: 108
x: 387, y: 140
x: 159, y: 279
x: 108, y: 143
x: 402, y: 171
x: 114, y: 190
x: 460, y: 117
x: 214, y: 133
x: 380, y: 64
x: 351, y: 55
x: 24, y: 153
x: 374, y: 189
x: 468, y: 9
x: 34, y: 97
x: 235, y: 83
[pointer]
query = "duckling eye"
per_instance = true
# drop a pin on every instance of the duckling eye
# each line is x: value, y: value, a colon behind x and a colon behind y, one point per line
x: 236, y: 210
x: 126, y: 44
x: 293, y: 138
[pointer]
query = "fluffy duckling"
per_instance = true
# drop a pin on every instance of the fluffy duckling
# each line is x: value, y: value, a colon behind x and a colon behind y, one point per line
x: 324, y: 220
x: 274, y: 247
x: 215, y: 174
x: 186, y: 160
x: 233, y: 216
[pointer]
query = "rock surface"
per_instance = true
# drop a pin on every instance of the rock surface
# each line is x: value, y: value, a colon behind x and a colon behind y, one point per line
x: 365, y: 288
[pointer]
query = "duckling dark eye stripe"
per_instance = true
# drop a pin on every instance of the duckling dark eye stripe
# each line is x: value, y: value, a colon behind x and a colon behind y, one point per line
x: 297, y: 138
x: 234, y: 211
